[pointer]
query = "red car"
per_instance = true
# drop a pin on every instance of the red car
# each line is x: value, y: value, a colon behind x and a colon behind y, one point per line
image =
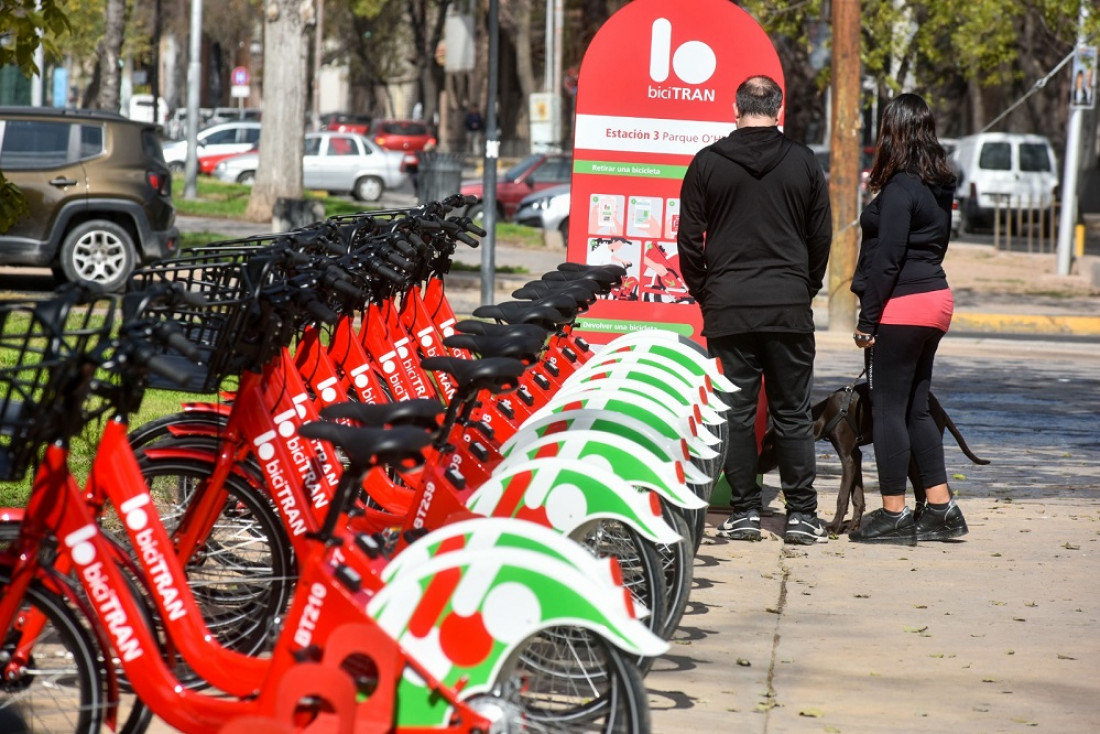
x: 536, y: 171
x: 402, y: 134
x: 346, y: 122
x: 207, y: 163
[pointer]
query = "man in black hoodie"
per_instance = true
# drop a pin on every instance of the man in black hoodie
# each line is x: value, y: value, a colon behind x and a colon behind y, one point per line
x: 754, y: 237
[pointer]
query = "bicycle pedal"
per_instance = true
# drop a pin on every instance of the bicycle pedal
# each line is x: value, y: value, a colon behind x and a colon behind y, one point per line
x: 454, y: 476
x: 349, y: 577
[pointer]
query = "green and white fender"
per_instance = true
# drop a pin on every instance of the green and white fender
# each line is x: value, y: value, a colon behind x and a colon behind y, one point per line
x: 677, y: 371
x: 559, y: 494
x: 622, y: 457
x: 677, y: 347
x: 606, y: 421
x: 648, y: 380
x: 674, y: 424
x: 463, y: 615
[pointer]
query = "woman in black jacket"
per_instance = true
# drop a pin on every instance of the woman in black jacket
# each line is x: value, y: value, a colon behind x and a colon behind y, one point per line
x: 905, y: 309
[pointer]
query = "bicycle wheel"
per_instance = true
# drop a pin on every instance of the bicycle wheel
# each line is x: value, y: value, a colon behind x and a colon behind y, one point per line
x: 642, y: 570
x: 244, y: 573
x: 678, y: 562
x: 573, y: 700
x: 61, y: 688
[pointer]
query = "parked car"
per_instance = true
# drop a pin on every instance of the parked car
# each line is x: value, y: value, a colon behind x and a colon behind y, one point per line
x: 534, y: 173
x: 1006, y: 170
x: 141, y: 109
x: 337, y: 162
x: 866, y: 160
x: 346, y: 122
x: 226, y: 137
x: 99, y: 192
x: 207, y: 163
x: 546, y: 209
x: 402, y: 134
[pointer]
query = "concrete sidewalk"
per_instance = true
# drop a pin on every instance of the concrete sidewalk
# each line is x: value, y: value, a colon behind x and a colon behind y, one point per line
x: 995, y: 632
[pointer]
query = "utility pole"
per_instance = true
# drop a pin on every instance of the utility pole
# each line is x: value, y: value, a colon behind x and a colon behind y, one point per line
x: 318, y: 52
x: 492, y: 155
x: 194, y: 82
x: 1067, y: 223
x: 844, y: 171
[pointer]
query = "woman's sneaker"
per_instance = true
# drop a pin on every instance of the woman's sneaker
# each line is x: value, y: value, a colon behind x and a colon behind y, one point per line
x: 804, y: 529
x: 942, y: 524
x: 741, y: 526
x: 881, y: 527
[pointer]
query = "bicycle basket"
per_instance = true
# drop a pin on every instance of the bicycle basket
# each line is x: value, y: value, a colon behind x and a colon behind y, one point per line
x: 210, y: 314
x: 42, y: 348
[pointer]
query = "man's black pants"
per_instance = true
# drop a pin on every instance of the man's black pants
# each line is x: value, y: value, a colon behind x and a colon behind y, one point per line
x: 786, y: 362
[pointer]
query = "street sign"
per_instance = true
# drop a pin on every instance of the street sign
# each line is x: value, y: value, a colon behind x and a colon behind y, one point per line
x: 240, y: 77
x: 643, y: 110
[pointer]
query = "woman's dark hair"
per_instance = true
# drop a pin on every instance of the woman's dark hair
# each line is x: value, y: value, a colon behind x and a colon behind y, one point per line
x: 907, y: 142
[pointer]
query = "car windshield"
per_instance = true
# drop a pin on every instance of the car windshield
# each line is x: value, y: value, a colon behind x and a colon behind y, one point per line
x: 522, y: 167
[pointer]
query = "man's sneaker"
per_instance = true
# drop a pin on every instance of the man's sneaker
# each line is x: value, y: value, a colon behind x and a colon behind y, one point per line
x: 942, y: 524
x: 805, y: 529
x: 879, y: 527
x: 741, y: 526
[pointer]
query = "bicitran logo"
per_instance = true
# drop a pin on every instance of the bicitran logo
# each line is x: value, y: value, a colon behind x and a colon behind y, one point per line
x: 694, y: 62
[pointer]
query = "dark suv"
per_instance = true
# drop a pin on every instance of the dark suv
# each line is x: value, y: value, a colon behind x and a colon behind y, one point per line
x: 99, y: 193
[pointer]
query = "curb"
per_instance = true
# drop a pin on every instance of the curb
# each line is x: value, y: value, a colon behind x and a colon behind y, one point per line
x: 1026, y: 324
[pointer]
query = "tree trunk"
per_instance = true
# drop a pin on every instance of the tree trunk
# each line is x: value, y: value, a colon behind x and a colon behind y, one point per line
x: 525, y: 69
x: 286, y: 50
x: 110, y: 52
x: 844, y: 171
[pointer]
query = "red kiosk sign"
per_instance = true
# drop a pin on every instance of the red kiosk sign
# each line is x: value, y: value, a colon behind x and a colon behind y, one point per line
x: 656, y: 85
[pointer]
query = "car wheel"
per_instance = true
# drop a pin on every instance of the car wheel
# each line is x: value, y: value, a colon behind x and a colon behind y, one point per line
x: 98, y: 252
x: 246, y: 177
x: 563, y: 228
x: 368, y: 188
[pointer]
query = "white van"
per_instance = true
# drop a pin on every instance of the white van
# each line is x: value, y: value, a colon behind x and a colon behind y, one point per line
x: 1009, y: 170
x: 141, y: 108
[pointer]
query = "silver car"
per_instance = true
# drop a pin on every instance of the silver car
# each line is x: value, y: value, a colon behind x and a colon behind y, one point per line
x: 334, y: 161
x: 546, y: 209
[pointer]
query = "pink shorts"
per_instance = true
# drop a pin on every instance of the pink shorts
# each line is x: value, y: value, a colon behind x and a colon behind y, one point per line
x: 933, y: 308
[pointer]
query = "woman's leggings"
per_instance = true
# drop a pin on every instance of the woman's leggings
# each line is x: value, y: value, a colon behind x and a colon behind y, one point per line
x: 899, y: 372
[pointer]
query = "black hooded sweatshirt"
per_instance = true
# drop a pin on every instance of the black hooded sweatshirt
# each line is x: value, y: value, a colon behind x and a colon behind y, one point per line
x: 755, y: 231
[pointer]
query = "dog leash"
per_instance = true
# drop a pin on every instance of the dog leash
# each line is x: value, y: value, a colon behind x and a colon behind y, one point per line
x: 849, y: 390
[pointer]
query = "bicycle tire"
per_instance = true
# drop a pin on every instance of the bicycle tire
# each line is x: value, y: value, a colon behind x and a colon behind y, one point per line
x: 568, y: 703
x: 156, y: 430
x: 678, y: 561
x: 72, y: 698
x: 642, y: 570
x: 246, y: 573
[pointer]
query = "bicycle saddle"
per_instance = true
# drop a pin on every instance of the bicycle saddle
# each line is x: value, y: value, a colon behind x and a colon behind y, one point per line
x: 496, y: 374
x: 570, y: 267
x: 489, y: 345
x: 366, y: 446
x: 586, y: 290
x: 421, y: 413
x: 523, y: 331
x: 606, y: 278
x: 522, y: 312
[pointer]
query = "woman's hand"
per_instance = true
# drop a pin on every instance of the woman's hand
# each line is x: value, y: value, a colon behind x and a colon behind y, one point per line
x: 863, y: 340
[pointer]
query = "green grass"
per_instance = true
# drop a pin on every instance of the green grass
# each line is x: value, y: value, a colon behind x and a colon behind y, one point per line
x: 229, y: 201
